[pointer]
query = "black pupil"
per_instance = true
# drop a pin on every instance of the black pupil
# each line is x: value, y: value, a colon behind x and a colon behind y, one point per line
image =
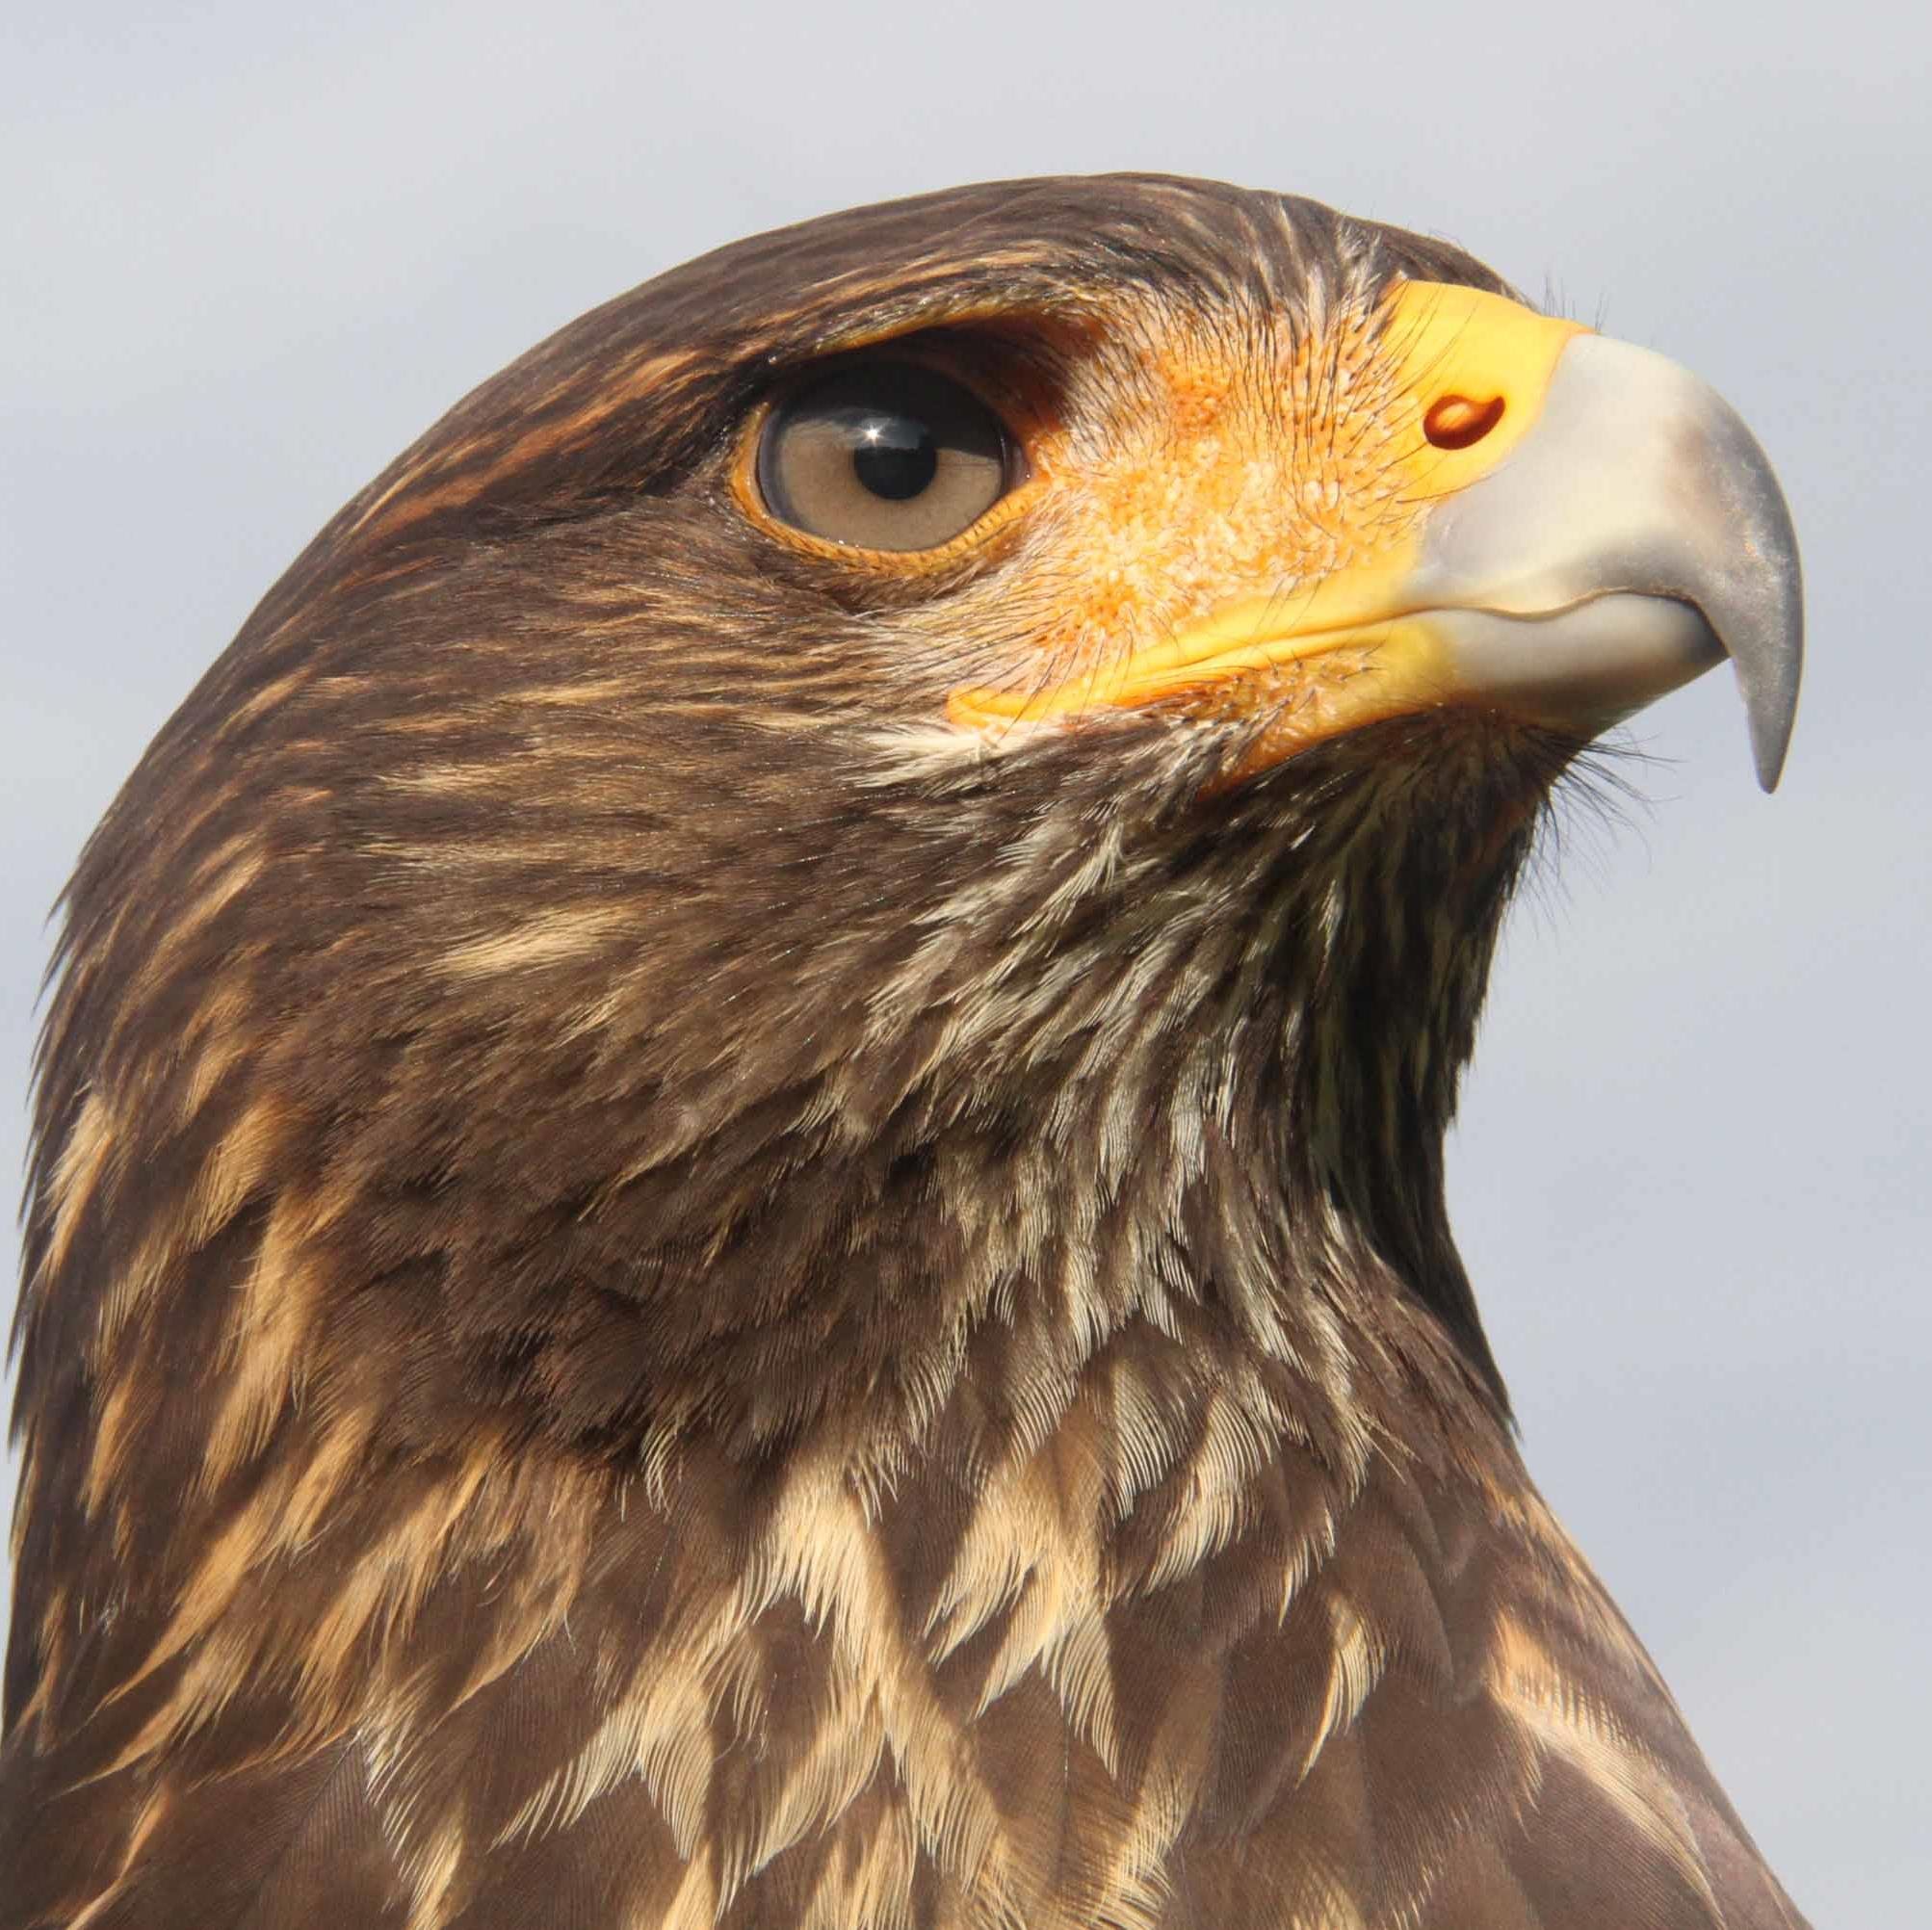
x: 893, y: 456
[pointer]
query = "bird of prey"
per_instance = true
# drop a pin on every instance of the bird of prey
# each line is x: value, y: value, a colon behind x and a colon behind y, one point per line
x: 737, y: 1214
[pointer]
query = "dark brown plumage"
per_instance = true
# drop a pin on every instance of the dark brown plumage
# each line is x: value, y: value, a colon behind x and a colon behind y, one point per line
x: 663, y: 1288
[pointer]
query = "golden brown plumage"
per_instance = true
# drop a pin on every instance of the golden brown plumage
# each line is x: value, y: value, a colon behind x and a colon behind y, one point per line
x: 721, y: 1233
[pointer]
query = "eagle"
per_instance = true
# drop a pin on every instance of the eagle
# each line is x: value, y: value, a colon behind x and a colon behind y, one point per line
x: 737, y: 1216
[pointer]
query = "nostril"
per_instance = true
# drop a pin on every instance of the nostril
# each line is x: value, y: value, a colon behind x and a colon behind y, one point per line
x: 1454, y: 422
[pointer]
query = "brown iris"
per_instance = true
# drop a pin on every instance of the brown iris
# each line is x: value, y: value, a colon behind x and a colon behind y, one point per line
x: 1454, y: 422
x: 885, y: 456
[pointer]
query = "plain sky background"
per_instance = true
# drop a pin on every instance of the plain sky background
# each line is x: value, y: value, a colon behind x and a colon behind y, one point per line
x: 250, y: 251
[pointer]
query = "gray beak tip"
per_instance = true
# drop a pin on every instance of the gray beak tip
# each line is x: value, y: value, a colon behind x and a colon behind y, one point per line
x: 1770, y: 739
x: 1755, y: 598
x: 1768, y: 666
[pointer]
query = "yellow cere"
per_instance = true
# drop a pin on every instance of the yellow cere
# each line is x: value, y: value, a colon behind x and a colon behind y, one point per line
x: 1243, y: 542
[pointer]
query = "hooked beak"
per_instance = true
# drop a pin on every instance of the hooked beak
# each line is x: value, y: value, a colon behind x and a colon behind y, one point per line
x: 1596, y: 527
x: 1635, y: 538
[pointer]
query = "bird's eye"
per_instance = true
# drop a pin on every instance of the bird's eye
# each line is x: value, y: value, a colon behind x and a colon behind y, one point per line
x: 885, y: 456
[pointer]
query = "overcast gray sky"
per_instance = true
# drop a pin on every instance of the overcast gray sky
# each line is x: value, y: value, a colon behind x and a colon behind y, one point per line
x: 248, y: 252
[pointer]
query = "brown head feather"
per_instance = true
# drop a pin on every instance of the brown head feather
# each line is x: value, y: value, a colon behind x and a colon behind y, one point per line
x: 654, y: 1297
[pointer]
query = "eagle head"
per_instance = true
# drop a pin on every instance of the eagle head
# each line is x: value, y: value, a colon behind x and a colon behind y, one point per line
x: 738, y: 1211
